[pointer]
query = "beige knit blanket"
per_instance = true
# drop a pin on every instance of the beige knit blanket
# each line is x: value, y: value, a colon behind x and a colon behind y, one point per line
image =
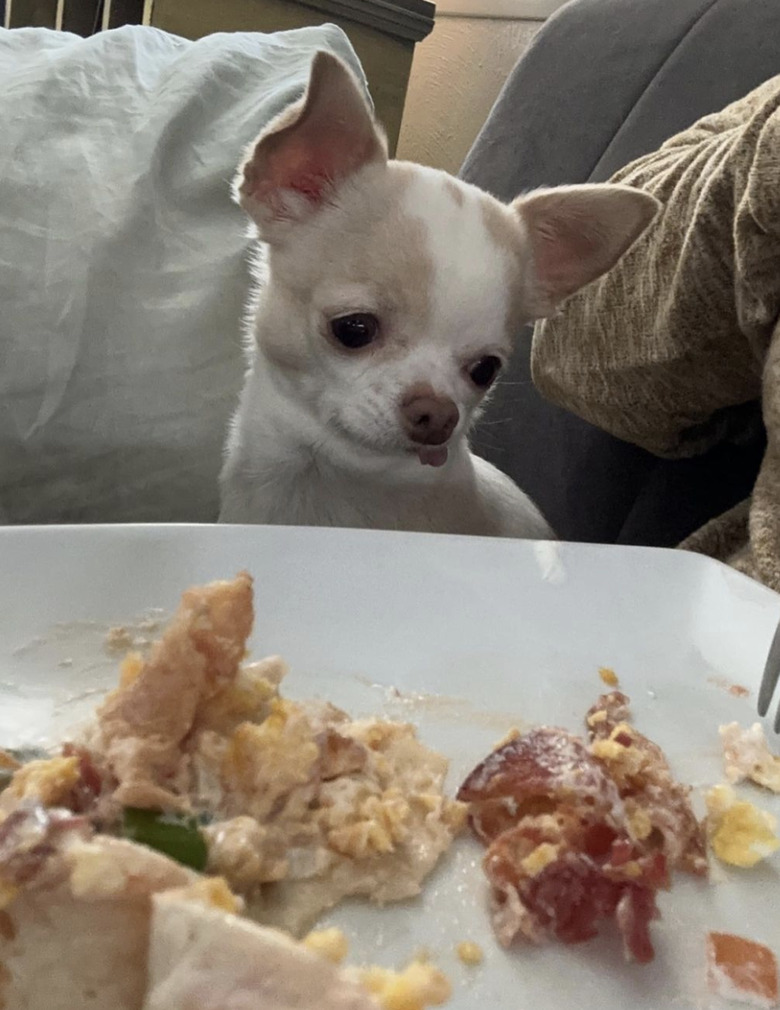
x: 685, y: 327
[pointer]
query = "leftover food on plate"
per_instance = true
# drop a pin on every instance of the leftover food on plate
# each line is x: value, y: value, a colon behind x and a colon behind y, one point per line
x: 578, y: 831
x: 469, y: 952
x: 176, y: 852
x: 130, y: 929
x: 736, y: 690
x: 741, y: 970
x: 738, y: 832
x: 194, y: 765
x: 746, y: 755
x: 295, y: 804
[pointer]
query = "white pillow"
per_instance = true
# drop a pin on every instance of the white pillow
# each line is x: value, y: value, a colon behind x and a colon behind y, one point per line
x: 122, y: 262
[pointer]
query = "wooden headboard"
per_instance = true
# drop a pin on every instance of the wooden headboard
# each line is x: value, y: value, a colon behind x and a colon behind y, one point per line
x: 84, y: 17
x: 383, y: 32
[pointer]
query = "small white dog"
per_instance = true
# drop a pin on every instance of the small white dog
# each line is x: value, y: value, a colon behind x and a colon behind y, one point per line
x: 389, y: 296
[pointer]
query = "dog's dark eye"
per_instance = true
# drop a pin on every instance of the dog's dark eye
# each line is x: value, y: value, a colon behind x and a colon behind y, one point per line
x: 355, y: 331
x: 484, y: 373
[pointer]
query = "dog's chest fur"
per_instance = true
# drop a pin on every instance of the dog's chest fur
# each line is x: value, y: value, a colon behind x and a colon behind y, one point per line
x: 474, y: 499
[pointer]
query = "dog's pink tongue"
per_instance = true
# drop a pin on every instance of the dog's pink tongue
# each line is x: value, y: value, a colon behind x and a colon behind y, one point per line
x: 433, y: 455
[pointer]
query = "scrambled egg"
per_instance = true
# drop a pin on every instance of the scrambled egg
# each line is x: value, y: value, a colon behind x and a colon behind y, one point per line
x: 740, y: 834
x: 47, y: 781
x: 213, y: 892
x: 284, y: 742
x: 619, y: 752
x: 469, y: 952
x: 417, y: 986
x: 542, y: 856
x: 639, y: 822
x: 328, y: 943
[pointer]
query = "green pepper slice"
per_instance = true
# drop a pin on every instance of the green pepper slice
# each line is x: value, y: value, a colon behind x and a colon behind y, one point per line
x: 177, y: 836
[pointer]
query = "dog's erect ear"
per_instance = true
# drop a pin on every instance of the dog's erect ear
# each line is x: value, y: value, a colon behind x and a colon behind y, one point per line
x: 297, y: 164
x: 576, y: 234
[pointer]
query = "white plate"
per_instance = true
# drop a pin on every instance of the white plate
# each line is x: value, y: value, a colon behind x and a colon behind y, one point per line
x: 503, y: 633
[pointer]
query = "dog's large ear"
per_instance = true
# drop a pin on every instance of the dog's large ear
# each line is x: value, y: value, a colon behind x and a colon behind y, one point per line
x: 299, y: 161
x: 576, y: 234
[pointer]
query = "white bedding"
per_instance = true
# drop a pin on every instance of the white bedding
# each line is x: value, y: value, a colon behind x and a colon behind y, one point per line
x: 122, y: 273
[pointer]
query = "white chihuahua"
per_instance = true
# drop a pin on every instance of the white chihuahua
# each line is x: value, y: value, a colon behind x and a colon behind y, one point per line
x: 389, y: 296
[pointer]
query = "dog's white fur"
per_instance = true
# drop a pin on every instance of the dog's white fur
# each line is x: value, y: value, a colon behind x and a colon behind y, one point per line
x: 450, y: 273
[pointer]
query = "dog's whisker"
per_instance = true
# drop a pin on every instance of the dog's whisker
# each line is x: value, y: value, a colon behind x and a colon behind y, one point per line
x: 484, y: 444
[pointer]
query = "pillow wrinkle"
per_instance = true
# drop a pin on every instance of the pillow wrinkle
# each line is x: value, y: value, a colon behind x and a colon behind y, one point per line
x: 123, y: 274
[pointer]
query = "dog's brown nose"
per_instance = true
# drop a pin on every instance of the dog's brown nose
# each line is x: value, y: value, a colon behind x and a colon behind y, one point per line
x: 429, y: 419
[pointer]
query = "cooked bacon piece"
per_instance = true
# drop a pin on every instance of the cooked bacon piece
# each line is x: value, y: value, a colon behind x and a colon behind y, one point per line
x: 634, y: 913
x: 534, y: 774
x: 577, y: 833
x: 658, y: 808
x: 742, y: 970
x: 611, y: 710
x: 553, y: 877
x: 90, y: 783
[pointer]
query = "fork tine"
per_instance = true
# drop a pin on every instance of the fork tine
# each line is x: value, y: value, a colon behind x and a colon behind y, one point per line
x: 770, y: 678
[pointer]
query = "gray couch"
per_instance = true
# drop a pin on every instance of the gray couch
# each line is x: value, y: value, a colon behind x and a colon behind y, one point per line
x: 604, y: 82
